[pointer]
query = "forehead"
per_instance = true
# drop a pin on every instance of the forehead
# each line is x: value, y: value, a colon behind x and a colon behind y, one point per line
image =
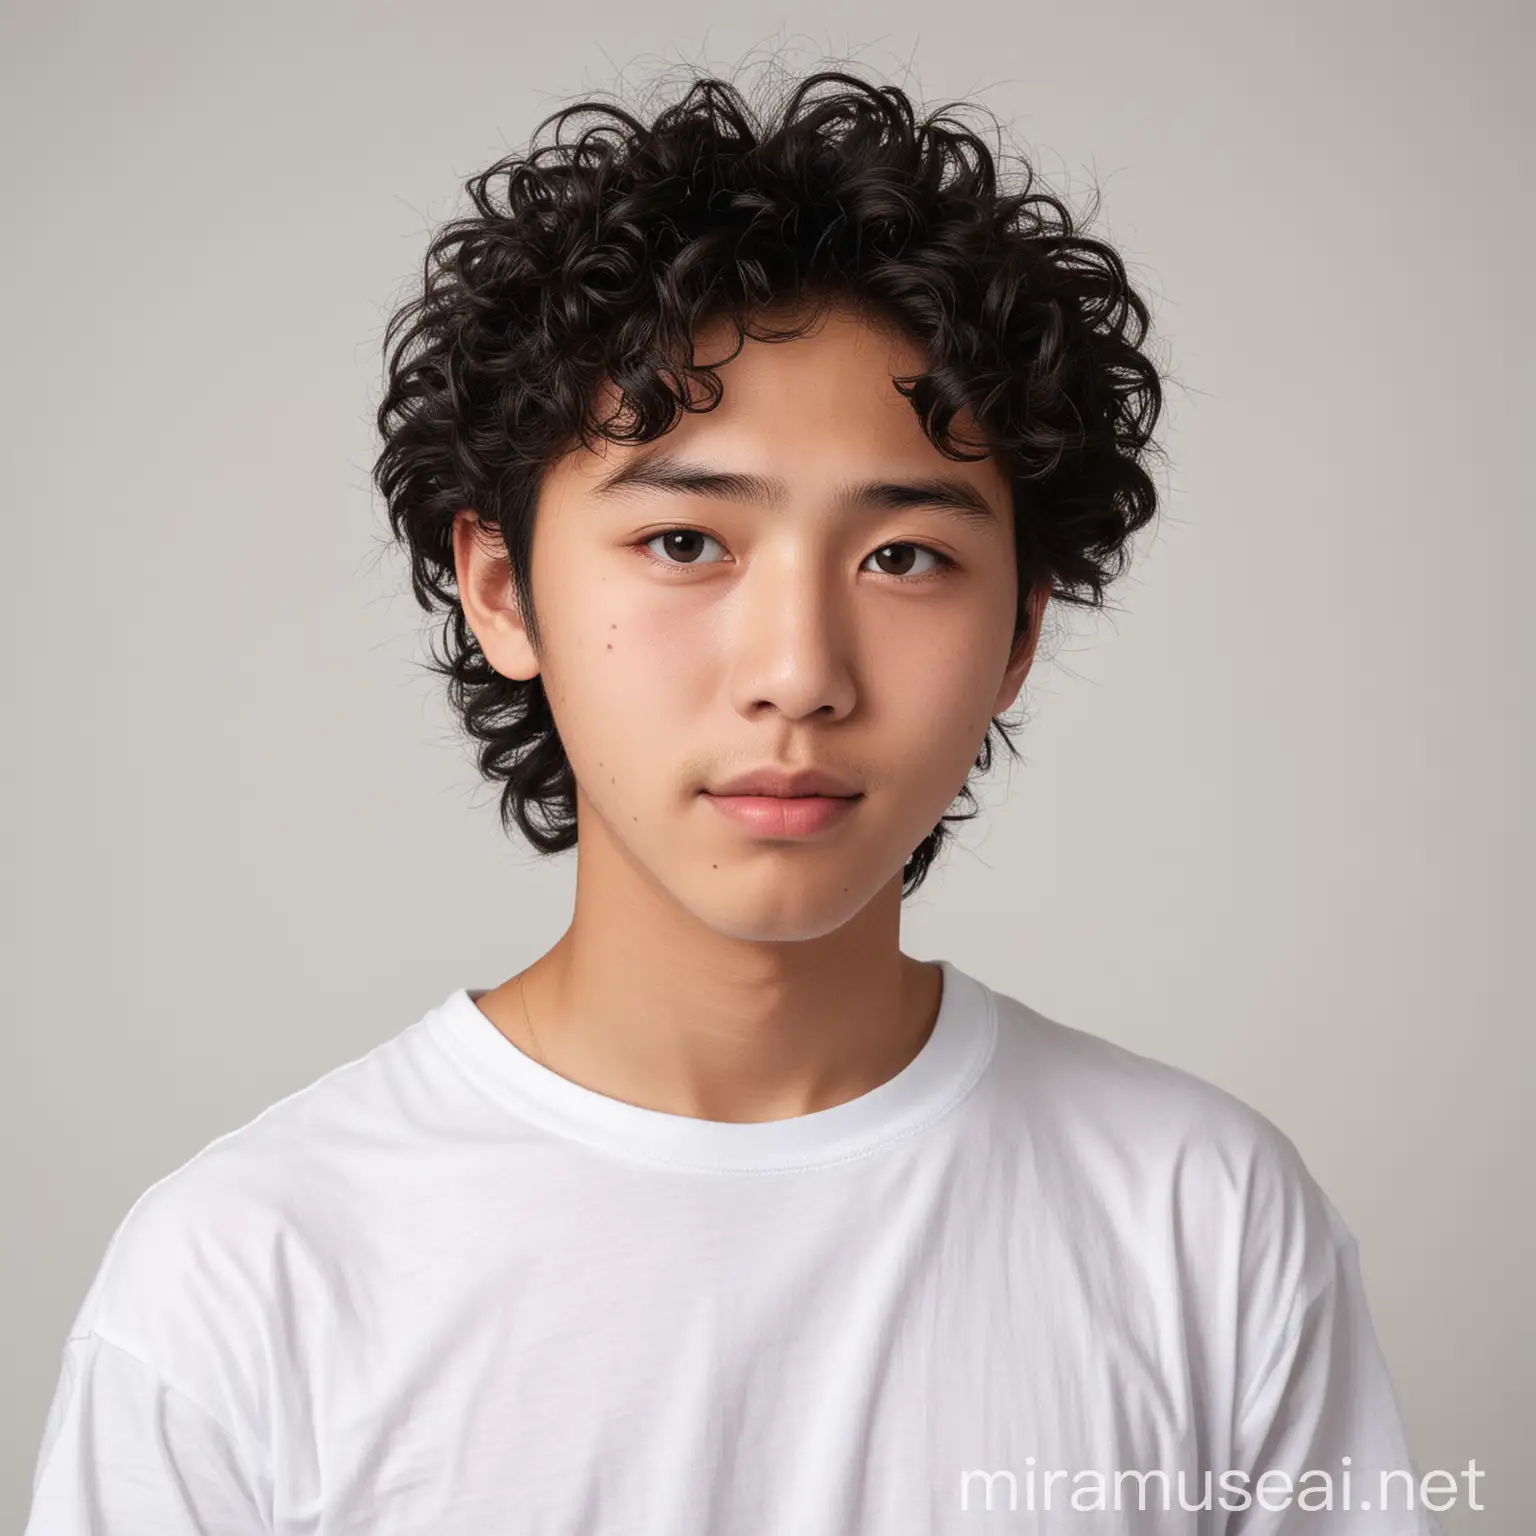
x: 823, y: 403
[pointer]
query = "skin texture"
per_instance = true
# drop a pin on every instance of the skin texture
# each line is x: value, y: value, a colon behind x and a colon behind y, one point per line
x: 707, y: 971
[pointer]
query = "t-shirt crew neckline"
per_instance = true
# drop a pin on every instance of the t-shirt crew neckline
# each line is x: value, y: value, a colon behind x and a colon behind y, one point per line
x: 943, y: 1072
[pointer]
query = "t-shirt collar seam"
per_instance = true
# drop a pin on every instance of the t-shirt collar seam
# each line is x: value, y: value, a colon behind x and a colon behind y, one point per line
x: 983, y: 1055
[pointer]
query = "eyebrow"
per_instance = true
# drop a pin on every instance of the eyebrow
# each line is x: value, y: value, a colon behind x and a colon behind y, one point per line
x: 664, y: 471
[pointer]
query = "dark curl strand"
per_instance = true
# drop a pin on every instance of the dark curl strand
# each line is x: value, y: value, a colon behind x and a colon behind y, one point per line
x: 593, y: 260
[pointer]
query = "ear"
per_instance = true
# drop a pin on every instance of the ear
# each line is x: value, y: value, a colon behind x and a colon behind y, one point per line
x: 484, y: 577
x: 1023, y: 656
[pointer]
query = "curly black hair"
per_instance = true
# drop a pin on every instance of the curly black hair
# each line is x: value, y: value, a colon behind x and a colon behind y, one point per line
x: 593, y: 260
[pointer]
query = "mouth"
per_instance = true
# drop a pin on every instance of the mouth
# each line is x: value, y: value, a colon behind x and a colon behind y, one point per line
x: 785, y: 816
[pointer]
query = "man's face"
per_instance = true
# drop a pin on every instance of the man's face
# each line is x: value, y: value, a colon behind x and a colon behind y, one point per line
x: 690, y: 636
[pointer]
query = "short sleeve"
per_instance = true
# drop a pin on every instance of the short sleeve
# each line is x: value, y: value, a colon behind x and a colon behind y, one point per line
x: 124, y: 1454
x: 1323, y: 1396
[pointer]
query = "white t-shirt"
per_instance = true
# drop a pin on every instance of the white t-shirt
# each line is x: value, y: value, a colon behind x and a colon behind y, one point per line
x: 444, y: 1291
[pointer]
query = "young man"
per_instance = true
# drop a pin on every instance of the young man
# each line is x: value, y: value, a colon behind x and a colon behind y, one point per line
x: 726, y: 1216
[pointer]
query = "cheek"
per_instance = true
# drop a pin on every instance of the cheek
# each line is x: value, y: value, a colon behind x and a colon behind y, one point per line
x: 648, y: 662
x: 941, y: 691
x: 622, y: 682
x: 659, y: 652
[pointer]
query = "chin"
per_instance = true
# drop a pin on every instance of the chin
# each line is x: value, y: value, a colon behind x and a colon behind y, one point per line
x: 779, y: 906
x: 783, y: 929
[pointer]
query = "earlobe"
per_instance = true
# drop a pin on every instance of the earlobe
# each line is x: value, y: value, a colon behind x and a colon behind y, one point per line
x: 489, y: 597
x: 1023, y: 655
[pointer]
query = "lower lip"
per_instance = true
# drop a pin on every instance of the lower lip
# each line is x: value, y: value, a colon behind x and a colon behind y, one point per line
x: 788, y: 816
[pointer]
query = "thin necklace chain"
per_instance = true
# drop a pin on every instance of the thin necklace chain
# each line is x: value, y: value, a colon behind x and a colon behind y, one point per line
x: 523, y: 994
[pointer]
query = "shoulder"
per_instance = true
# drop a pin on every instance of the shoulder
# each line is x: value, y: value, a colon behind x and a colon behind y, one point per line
x: 1077, y: 1079
x: 217, y: 1262
x: 1169, y: 1143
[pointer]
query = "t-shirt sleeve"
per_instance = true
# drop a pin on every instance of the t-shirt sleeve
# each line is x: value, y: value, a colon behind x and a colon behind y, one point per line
x: 125, y: 1454
x: 1324, y: 1395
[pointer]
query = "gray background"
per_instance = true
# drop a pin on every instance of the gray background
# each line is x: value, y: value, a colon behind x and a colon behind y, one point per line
x: 1268, y: 826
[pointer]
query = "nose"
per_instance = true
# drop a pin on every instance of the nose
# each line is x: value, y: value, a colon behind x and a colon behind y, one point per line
x: 792, y: 647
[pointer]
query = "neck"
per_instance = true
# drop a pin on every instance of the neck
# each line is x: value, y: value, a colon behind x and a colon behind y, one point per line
x: 642, y: 1002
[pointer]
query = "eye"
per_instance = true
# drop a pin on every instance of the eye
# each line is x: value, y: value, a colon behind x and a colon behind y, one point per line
x: 686, y: 537
x: 683, y: 543
x: 940, y: 562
